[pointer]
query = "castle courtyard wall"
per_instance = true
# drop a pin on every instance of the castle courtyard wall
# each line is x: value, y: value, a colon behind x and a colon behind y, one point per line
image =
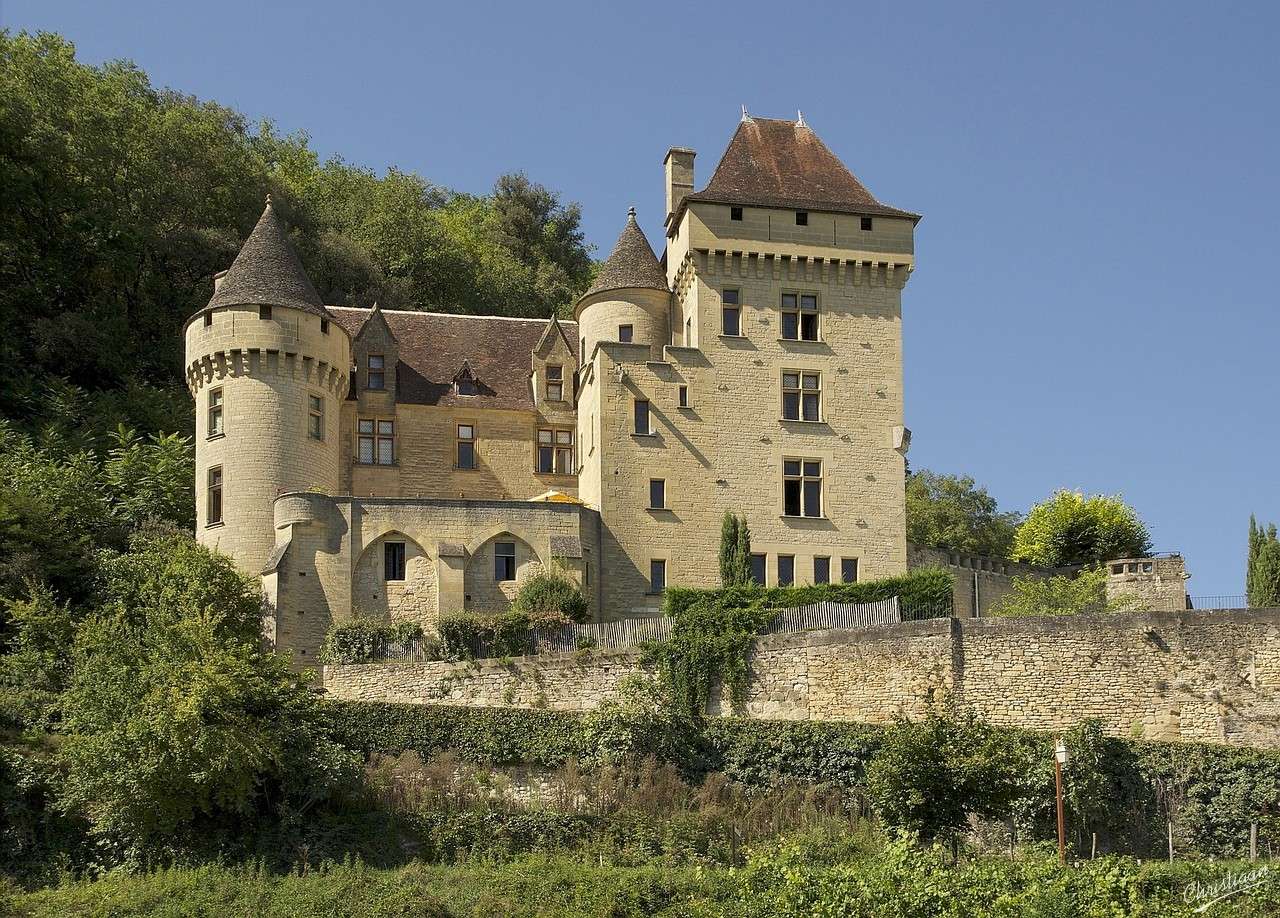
x: 1196, y: 676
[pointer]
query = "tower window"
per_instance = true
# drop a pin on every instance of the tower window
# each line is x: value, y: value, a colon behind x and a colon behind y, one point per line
x: 735, y: 213
x: 393, y: 561
x: 376, y: 374
x: 684, y: 396
x: 208, y: 319
x: 802, y: 487
x: 555, y: 452
x: 801, y: 396
x: 800, y: 316
x: 625, y: 333
x: 315, y: 418
x: 213, y: 506
x: 657, y: 494
x: 215, y: 413
x: 731, y: 311
x: 555, y: 383
x: 264, y: 312
x: 657, y: 575
x: 802, y: 218
x: 324, y: 326
x: 849, y: 570
x: 821, y: 570
x: 786, y: 570
x: 642, y: 417
x: 504, y: 561
x: 866, y: 224
x: 466, y: 446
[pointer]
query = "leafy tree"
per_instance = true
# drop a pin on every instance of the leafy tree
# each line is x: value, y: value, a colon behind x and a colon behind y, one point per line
x: 36, y: 663
x: 1082, y: 594
x: 179, y: 727
x: 1262, y: 575
x: 951, y: 512
x: 1070, y: 528
x: 151, y: 479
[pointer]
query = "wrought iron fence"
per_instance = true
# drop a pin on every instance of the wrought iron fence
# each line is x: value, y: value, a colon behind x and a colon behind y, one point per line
x: 1225, y: 601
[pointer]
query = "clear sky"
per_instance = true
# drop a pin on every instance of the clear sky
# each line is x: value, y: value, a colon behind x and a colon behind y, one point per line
x: 1095, y: 302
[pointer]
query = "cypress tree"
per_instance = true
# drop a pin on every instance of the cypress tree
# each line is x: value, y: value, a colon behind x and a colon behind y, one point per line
x: 1262, y: 578
x: 743, y: 552
x: 728, y: 549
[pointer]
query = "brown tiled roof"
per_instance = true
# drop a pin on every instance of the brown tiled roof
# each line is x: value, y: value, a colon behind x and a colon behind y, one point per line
x: 267, y: 272
x: 772, y: 163
x: 433, y: 347
x: 631, y: 264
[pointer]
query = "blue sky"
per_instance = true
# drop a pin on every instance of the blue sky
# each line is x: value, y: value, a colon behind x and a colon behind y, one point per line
x: 1095, y: 303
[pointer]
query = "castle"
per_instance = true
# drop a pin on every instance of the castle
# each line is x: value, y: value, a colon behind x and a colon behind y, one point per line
x: 405, y: 464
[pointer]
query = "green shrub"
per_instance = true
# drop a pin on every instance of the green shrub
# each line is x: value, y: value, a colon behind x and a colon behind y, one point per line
x: 466, y: 635
x: 364, y: 640
x: 550, y: 598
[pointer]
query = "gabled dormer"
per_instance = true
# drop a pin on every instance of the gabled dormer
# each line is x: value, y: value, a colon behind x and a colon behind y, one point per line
x: 377, y: 355
x: 554, y: 369
x: 465, y: 382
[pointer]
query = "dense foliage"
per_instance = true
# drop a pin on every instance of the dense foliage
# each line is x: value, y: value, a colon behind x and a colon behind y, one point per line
x: 715, y: 629
x: 365, y: 640
x: 1070, y: 528
x: 735, y: 551
x: 549, y: 598
x: 1262, y: 574
x: 1063, y: 594
x: 119, y: 201
x: 953, y: 513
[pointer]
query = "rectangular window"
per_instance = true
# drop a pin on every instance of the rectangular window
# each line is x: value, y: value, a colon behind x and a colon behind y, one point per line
x: 555, y: 452
x: 392, y: 560
x: 375, y: 442
x: 657, y: 575
x: 555, y: 383
x: 466, y: 446
x: 214, y: 506
x: 684, y: 396
x: 657, y: 494
x: 866, y: 224
x: 642, y: 417
x: 215, y: 413
x: 821, y: 570
x: 208, y: 319
x: 386, y: 442
x: 324, y: 326
x: 786, y: 570
x: 264, y: 312
x: 802, y: 487
x: 802, y: 218
x: 624, y: 333
x: 735, y: 213
x: 688, y: 332
x: 731, y: 313
x: 315, y: 417
x: 801, y: 396
x: 376, y: 377
x: 504, y: 561
x: 757, y: 569
x: 800, y: 316
x: 849, y: 570
x: 364, y: 440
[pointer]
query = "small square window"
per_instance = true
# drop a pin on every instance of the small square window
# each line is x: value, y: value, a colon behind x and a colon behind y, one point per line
x: 625, y: 333
x: 758, y: 569
x: 786, y: 570
x: 393, y: 561
x: 642, y: 417
x: 264, y: 312
x: 802, y: 218
x: 684, y: 396
x: 729, y: 296
x: 375, y: 376
x: 866, y: 224
x: 849, y: 570
x: 504, y: 561
x: 657, y: 575
x: 555, y: 383
x: 1146, y: 567
x: 208, y: 319
x: 735, y: 213
x: 821, y: 570
x: 657, y: 494
x: 1117, y: 568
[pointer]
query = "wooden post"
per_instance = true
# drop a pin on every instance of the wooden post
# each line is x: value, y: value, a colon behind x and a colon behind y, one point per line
x: 1093, y: 852
x: 1170, y: 825
x: 1253, y: 840
x: 1062, y: 822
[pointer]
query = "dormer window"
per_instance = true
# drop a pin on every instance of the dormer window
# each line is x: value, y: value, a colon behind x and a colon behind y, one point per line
x: 467, y: 386
x: 555, y: 383
x: 376, y: 372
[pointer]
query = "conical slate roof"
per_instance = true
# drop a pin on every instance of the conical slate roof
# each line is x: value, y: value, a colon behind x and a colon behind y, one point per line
x: 632, y: 263
x: 267, y: 272
x: 773, y: 163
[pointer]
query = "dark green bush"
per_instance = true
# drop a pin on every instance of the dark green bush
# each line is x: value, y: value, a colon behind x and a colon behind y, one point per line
x: 550, y: 598
x: 467, y: 635
x: 364, y: 640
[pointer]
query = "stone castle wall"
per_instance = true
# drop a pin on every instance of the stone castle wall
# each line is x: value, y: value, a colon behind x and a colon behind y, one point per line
x: 979, y: 583
x: 1202, y: 676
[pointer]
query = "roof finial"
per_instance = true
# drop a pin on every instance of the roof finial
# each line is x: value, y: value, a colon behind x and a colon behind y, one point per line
x: 745, y: 116
x: 631, y: 211
x: 800, y: 118
x: 268, y: 199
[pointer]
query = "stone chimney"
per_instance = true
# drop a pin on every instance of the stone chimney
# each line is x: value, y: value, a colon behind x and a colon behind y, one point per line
x: 1154, y: 584
x: 217, y: 280
x: 679, y: 167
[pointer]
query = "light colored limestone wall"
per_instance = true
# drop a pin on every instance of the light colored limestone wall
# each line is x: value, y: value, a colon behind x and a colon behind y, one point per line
x: 1155, y: 584
x: 707, y: 224
x: 266, y: 369
x: 1196, y: 676
x: 484, y: 593
x: 646, y: 311
x: 978, y: 583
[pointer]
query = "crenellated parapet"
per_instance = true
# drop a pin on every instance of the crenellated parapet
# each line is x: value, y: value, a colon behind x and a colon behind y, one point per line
x: 870, y: 270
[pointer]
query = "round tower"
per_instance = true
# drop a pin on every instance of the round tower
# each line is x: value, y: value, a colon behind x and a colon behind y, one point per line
x: 630, y: 293
x: 268, y: 367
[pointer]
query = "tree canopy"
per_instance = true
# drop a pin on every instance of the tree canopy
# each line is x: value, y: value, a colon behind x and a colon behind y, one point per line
x: 1262, y: 575
x: 952, y: 512
x: 1070, y: 528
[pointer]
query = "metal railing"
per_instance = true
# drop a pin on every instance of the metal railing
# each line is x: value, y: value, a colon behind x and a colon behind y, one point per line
x: 1224, y: 601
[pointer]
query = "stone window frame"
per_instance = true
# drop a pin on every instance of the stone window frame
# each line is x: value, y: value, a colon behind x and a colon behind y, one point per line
x: 791, y: 561
x: 845, y: 564
x: 735, y: 212
x: 801, y: 395
x: 556, y: 381
x: 800, y: 471
x: 731, y: 302
x: 324, y: 326
x: 636, y: 414
x: 376, y: 438
x: 380, y: 372
x: 661, y: 493
x: 215, y: 417
x: 264, y: 312
x: 208, y: 319
x: 504, y: 564
x: 626, y: 333
x: 802, y: 218
x: 797, y: 308
x: 682, y: 396
x: 763, y: 577
x: 460, y: 441
x: 818, y: 562
x: 214, y: 481
x: 658, y: 582
x: 394, y: 555
x: 315, y: 416
x: 866, y: 223
x: 559, y: 442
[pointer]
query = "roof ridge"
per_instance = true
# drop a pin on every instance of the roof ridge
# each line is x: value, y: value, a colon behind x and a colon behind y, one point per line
x: 449, y: 315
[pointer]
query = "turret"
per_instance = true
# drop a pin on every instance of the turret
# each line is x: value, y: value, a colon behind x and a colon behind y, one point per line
x: 268, y: 368
x: 629, y: 300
